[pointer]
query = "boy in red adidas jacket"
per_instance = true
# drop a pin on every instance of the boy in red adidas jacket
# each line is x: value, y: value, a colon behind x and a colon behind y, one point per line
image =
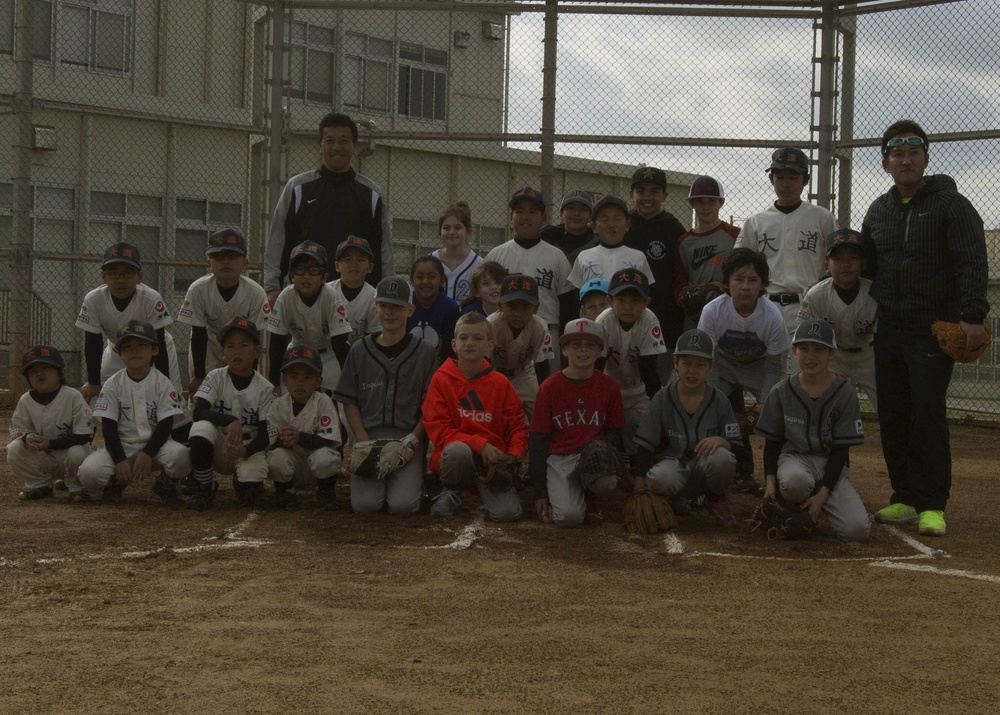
x: 473, y: 414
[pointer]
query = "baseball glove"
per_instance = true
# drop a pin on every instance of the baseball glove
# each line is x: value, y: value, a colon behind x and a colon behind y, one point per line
x: 601, y: 467
x: 781, y: 521
x: 693, y: 298
x: 378, y: 458
x: 951, y: 338
x: 648, y: 513
x: 501, y: 473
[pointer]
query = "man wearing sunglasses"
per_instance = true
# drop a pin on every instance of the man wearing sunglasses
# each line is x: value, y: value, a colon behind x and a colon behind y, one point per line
x: 927, y: 254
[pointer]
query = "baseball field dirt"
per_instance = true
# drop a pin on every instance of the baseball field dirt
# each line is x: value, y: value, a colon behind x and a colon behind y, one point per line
x: 136, y: 608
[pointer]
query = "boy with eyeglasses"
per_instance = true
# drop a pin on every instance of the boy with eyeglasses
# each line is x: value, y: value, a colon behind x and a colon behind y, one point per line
x: 309, y: 313
x: 215, y: 299
x: 927, y: 258
x: 611, y: 223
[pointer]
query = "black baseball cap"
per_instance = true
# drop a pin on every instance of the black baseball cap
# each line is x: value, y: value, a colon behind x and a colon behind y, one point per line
x: 577, y: 196
x: 136, y: 329
x: 629, y: 278
x: 526, y: 192
x: 123, y: 253
x: 843, y: 237
x: 227, y: 239
x: 609, y: 200
x: 309, y: 249
x: 394, y: 290
x: 695, y: 342
x: 789, y: 158
x: 354, y: 242
x: 519, y: 287
x: 240, y: 323
x: 815, y: 331
x: 649, y: 175
x: 302, y: 355
x: 42, y: 355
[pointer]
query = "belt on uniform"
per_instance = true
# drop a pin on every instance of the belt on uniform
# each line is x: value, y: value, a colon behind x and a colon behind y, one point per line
x: 784, y: 298
x: 854, y: 350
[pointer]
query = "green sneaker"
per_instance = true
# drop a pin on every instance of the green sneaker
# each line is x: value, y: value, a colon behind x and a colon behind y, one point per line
x: 897, y: 514
x: 931, y: 523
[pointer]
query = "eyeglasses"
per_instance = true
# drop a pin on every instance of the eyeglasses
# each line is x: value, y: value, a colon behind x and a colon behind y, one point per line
x: 311, y: 270
x: 120, y: 275
x: 897, y: 142
x: 225, y: 256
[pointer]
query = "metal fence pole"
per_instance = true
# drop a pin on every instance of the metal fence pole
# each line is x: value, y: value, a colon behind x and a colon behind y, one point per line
x: 21, y: 239
x: 828, y: 44
x: 848, y: 66
x: 274, y: 182
x: 548, y: 147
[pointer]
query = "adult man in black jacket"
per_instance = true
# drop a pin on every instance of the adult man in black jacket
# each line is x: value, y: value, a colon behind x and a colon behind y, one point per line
x: 327, y: 205
x: 927, y: 252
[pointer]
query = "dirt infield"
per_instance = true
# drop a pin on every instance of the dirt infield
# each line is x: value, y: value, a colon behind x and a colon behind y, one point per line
x: 136, y: 608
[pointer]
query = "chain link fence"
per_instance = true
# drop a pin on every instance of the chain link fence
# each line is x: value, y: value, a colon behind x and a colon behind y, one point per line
x: 156, y: 123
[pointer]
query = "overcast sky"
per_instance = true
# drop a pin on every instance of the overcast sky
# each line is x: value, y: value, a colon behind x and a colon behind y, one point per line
x: 751, y: 78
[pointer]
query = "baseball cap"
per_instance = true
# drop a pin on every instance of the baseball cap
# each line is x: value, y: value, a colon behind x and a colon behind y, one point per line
x: 815, y: 331
x: 789, y: 158
x: 583, y: 328
x: 393, y: 290
x: 594, y: 284
x: 42, y: 355
x: 136, y: 329
x: 519, y: 287
x: 226, y: 240
x: 609, y: 200
x: 530, y: 194
x: 695, y: 342
x: 302, y: 355
x: 309, y: 249
x: 706, y: 187
x: 122, y: 253
x: 580, y: 197
x: 629, y: 278
x: 843, y: 237
x: 240, y: 323
x: 649, y: 175
x: 354, y: 242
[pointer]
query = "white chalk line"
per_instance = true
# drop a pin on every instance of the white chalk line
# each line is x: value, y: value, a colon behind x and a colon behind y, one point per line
x: 959, y: 573
x: 467, y: 537
x: 228, y: 539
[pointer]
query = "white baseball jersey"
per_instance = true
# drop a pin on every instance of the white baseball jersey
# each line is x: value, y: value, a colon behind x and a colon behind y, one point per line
x: 98, y: 313
x: 514, y: 356
x: 66, y: 415
x: 458, y: 282
x: 602, y: 262
x: 794, y: 244
x: 543, y: 262
x: 137, y: 407
x: 204, y: 307
x: 309, y: 325
x: 853, y: 324
x: 251, y: 405
x: 318, y: 416
x: 360, y: 311
x: 624, y: 347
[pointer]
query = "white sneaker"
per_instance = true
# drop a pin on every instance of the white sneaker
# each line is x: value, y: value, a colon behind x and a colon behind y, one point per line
x: 446, y: 502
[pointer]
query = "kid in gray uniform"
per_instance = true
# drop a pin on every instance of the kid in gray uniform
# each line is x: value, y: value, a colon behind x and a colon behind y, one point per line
x: 690, y: 431
x: 382, y: 387
x: 809, y: 421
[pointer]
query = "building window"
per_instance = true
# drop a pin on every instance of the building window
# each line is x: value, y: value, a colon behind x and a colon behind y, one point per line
x: 53, y: 229
x: 97, y: 35
x: 367, y: 73
x: 197, y: 219
x: 133, y: 218
x: 423, y: 82
x: 311, y: 58
x: 41, y: 30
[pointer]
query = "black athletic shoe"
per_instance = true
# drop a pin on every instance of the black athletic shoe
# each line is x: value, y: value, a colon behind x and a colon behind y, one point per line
x: 37, y: 493
x: 326, y: 495
x: 112, y: 494
x: 204, y: 496
x: 746, y: 484
x: 277, y: 500
x: 189, y: 485
x: 166, y: 489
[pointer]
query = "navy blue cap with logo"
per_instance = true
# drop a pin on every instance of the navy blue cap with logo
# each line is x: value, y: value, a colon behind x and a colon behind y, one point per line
x: 42, y: 355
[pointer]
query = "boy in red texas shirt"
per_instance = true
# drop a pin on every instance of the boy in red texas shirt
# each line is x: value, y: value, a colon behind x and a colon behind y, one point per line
x: 473, y: 414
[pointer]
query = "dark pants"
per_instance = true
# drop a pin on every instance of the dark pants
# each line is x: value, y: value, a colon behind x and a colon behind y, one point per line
x: 912, y: 376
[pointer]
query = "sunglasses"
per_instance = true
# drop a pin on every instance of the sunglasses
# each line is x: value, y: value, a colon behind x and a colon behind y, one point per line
x: 897, y: 142
x: 311, y: 270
